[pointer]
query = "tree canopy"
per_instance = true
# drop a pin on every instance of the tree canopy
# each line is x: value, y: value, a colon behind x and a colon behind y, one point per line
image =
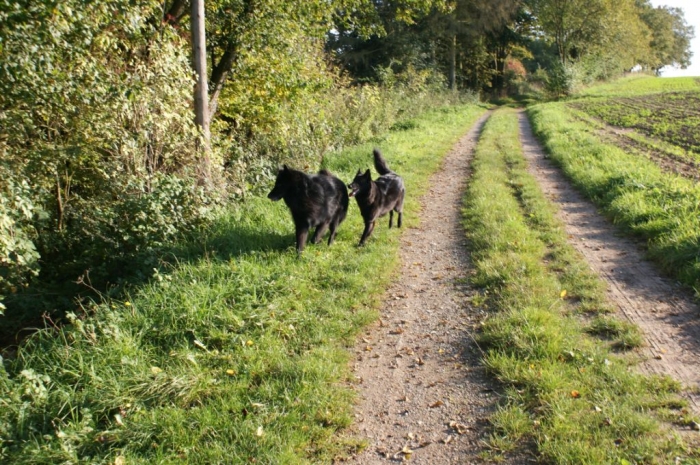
x: 98, y: 141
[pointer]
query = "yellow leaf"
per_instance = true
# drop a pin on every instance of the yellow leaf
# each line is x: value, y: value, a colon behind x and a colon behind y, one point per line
x: 249, y: 343
x: 230, y: 372
x: 562, y: 294
x: 575, y: 394
x: 156, y: 370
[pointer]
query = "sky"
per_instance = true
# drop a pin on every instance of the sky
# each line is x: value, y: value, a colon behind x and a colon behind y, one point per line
x: 691, y: 9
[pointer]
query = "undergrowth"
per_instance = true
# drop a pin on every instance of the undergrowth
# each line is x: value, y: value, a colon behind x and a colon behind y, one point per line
x: 235, y: 351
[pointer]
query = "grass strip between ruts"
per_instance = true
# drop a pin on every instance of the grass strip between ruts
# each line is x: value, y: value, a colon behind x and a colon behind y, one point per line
x: 236, y: 352
x: 662, y: 209
x: 567, y: 395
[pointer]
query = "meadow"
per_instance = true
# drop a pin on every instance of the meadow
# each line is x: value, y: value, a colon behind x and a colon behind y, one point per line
x: 234, y: 351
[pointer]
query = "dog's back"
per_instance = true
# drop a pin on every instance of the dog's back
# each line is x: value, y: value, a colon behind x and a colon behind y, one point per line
x: 319, y: 201
x: 377, y: 198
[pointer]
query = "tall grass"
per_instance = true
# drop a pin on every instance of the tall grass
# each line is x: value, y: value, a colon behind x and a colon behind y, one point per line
x: 567, y: 394
x: 234, y: 352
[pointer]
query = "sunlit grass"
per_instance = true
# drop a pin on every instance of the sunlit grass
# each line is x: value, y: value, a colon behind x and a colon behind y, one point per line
x: 662, y: 209
x: 235, y: 351
x: 568, y: 396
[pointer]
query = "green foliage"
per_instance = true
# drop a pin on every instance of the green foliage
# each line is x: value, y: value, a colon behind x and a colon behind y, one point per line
x: 237, y: 352
x: 96, y: 144
x: 560, y: 81
x: 18, y: 255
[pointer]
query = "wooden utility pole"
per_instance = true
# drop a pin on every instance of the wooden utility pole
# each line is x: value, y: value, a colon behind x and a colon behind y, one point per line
x: 201, y: 91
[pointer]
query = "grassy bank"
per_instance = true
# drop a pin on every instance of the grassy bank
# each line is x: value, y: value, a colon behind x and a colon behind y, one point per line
x: 550, y: 338
x: 235, y: 354
x: 660, y: 208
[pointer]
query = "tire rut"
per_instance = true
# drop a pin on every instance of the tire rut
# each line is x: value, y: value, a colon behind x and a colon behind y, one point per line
x: 664, y: 311
x: 423, y: 394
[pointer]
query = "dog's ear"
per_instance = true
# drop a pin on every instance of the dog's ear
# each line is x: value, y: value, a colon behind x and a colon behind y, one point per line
x: 285, y: 168
x: 368, y: 174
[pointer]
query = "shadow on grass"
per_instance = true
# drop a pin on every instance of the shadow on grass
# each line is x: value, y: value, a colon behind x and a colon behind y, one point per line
x: 45, y: 304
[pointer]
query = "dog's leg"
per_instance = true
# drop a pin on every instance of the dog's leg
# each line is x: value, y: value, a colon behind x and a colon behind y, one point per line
x: 391, y: 218
x: 302, y: 234
x: 369, y: 227
x: 318, y: 234
x: 399, y: 210
x: 333, y: 228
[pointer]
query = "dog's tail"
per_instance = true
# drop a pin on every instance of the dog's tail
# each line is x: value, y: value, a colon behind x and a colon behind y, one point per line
x: 380, y: 163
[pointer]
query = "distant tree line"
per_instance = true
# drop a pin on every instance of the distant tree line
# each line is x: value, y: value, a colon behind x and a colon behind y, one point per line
x: 102, y: 162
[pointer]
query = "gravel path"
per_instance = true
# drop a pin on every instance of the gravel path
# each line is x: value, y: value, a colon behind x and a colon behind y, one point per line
x: 423, y: 395
x: 665, y: 312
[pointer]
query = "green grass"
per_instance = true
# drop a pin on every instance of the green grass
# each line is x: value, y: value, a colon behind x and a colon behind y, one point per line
x: 568, y: 394
x: 236, y: 350
x: 660, y: 208
x: 640, y: 85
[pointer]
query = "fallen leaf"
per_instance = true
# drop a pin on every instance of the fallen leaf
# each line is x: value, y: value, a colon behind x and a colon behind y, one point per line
x: 156, y: 370
x: 259, y: 432
x: 459, y: 427
x: 437, y: 403
x: 230, y: 372
x: 396, y: 331
x: 575, y: 394
x: 562, y: 294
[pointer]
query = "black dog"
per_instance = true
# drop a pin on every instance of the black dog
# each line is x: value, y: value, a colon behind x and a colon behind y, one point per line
x: 315, y: 200
x: 376, y: 198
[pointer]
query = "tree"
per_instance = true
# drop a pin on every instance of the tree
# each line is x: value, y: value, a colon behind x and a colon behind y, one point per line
x: 201, y: 92
x: 670, y: 36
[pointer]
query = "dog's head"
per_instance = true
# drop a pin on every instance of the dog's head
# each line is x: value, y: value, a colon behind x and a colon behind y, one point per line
x: 285, y: 180
x: 361, y: 182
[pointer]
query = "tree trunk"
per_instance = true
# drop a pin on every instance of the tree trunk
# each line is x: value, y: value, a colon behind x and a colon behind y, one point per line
x: 453, y: 63
x: 201, y: 98
x: 219, y: 75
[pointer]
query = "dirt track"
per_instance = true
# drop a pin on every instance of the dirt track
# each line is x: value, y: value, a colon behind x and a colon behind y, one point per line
x: 423, y: 393
x: 665, y: 312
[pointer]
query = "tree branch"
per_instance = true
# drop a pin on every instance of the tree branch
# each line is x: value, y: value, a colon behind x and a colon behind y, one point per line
x: 177, y: 11
x: 219, y: 75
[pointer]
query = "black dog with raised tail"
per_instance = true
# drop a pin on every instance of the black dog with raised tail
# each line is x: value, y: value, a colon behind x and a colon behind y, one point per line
x: 379, y: 197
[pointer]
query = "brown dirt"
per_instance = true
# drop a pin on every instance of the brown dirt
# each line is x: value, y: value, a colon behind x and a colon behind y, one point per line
x: 664, y: 311
x: 423, y: 394
x: 421, y: 386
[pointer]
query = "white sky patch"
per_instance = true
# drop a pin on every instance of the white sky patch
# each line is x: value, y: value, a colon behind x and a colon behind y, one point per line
x: 691, y: 12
